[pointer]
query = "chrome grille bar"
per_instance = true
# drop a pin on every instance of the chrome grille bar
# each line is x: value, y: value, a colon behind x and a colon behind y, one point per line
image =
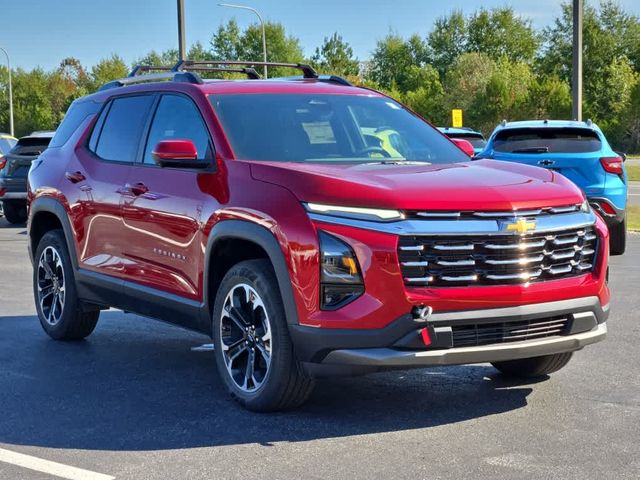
x: 445, y: 261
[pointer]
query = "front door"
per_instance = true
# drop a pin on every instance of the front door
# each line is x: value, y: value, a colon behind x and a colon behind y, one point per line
x: 162, y: 210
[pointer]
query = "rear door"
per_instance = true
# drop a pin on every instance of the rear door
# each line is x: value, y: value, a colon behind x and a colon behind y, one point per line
x: 96, y: 178
x: 573, y: 152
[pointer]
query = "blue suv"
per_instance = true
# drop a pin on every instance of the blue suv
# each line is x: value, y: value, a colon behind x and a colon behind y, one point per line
x: 577, y: 150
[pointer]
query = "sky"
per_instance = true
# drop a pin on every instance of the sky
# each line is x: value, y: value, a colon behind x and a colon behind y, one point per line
x: 43, y: 32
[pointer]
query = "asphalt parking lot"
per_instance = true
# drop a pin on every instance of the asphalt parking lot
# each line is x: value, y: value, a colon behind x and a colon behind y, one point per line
x: 135, y: 402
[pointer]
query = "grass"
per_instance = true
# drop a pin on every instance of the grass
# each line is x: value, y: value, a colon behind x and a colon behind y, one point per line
x: 633, y: 171
x: 633, y: 217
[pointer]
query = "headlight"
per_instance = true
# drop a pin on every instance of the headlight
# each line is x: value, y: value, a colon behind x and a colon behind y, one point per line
x: 340, y: 277
x: 585, y: 207
x: 375, y: 214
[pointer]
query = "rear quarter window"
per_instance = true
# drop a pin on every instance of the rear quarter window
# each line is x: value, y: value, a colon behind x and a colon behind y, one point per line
x: 547, y: 140
x: 77, y: 113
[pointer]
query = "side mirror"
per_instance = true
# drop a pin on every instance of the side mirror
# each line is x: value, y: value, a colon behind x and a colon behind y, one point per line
x: 464, y: 145
x: 177, y: 154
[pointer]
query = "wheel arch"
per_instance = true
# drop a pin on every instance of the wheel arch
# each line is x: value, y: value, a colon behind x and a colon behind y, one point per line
x: 257, y: 242
x: 46, y: 214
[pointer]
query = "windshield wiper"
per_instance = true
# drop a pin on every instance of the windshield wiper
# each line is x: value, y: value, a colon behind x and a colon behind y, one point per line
x: 531, y: 150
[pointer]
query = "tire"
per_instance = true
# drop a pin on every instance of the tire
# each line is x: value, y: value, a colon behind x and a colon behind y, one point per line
x: 62, y: 315
x: 15, y: 212
x: 618, y: 238
x: 254, y: 353
x: 534, y: 367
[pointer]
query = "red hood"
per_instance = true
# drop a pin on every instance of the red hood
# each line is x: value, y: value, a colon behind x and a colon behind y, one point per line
x: 483, y: 184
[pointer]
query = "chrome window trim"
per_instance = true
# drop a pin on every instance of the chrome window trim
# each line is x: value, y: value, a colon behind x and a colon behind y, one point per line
x: 442, y: 227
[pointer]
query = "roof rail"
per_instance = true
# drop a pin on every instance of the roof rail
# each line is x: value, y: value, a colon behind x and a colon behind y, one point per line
x: 503, y: 122
x: 205, y: 66
x: 139, y: 69
x: 589, y: 122
x: 183, y: 72
x: 186, y: 77
x: 307, y: 70
x: 321, y: 78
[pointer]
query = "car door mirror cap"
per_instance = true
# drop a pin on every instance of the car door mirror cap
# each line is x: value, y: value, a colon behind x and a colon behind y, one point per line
x: 464, y: 145
x: 177, y: 154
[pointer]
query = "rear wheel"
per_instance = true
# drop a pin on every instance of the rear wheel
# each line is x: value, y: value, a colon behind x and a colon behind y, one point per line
x: 15, y: 212
x: 534, y: 367
x: 618, y: 238
x: 61, y: 314
x: 253, y: 350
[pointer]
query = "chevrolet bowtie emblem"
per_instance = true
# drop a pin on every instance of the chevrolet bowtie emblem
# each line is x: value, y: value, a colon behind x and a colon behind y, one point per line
x: 521, y: 226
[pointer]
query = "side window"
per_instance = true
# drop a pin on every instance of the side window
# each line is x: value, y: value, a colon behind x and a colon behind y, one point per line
x: 75, y: 116
x: 119, y: 134
x: 178, y: 118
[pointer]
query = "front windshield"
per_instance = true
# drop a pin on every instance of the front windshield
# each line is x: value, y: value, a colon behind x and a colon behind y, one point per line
x: 329, y: 128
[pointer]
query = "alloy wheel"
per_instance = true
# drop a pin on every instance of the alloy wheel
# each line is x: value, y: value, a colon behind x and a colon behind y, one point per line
x: 51, y: 285
x: 245, y: 335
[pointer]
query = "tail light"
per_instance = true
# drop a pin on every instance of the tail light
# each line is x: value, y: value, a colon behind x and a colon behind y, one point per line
x: 612, y: 164
x: 3, y: 162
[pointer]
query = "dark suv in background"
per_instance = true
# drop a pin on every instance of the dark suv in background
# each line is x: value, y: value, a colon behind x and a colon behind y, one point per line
x: 14, y: 167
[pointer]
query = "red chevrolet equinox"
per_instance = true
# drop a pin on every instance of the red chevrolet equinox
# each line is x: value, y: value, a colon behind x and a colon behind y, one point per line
x: 311, y: 228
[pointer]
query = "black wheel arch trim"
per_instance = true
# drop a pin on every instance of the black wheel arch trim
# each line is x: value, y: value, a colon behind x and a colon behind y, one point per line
x: 244, y: 230
x: 53, y: 206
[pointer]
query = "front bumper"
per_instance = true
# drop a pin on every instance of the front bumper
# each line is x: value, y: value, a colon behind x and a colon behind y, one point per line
x: 327, y: 351
x: 390, y: 358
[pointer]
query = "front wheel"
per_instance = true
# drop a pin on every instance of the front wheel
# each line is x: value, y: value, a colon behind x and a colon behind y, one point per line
x: 62, y: 315
x: 618, y: 238
x: 253, y: 350
x: 534, y: 367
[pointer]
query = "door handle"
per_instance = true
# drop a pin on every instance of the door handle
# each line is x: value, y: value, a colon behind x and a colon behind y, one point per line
x: 137, y: 189
x: 74, y: 177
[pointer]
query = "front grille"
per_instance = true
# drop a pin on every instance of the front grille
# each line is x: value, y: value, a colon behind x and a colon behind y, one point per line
x: 446, y: 261
x: 492, y: 333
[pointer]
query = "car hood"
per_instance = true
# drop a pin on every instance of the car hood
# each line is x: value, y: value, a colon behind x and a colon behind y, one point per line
x: 483, y: 184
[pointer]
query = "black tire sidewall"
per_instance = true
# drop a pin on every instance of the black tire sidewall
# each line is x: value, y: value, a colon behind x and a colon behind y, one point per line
x: 15, y: 212
x: 259, y: 275
x: 618, y: 238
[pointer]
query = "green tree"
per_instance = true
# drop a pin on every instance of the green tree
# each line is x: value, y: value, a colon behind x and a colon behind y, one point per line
x: 426, y: 94
x: 335, y: 56
x: 630, y: 122
x: 229, y: 43
x: 392, y: 60
x: 447, y: 41
x: 466, y: 79
x: 106, y: 70
x: 501, y: 33
x: 503, y: 97
x: 548, y: 97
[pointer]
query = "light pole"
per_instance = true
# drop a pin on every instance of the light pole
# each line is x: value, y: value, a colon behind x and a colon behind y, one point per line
x: 264, y: 38
x: 10, y: 93
x: 576, y: 73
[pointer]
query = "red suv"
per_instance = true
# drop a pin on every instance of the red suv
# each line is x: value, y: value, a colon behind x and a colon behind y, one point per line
x: 312, y: 228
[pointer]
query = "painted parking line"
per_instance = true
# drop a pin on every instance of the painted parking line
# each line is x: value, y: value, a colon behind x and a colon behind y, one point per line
x: 52, y: 468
